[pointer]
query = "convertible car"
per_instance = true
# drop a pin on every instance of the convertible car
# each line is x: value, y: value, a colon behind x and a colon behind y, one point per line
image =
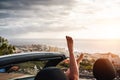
x: 24, y: 66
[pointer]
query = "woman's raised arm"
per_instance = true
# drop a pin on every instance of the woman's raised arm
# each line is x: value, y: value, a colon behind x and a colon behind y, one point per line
x: 73, y: 72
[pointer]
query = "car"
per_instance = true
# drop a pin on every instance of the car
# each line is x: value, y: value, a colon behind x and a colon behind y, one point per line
x: 10, y: 63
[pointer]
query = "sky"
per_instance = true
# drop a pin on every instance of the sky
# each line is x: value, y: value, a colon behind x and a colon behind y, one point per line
x: 81, y: 19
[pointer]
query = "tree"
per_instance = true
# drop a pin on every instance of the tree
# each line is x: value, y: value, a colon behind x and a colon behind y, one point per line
x: 5, y: 47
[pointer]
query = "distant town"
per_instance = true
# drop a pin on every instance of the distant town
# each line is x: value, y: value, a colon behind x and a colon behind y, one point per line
x: 39, y: 48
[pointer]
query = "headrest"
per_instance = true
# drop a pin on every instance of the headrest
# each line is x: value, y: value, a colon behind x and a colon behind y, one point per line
x: 103, y: 70
x: 51, y: 73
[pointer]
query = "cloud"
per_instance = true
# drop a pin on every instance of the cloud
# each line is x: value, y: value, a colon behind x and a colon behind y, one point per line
x: 4, y: 15
x: 23, y: 16
x: 19, y: 17
x: 16, y: 31
x: 18, y: 8
x: 26, y: 4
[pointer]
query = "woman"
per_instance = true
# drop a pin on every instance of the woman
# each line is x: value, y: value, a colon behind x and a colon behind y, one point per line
x: 53, y: 73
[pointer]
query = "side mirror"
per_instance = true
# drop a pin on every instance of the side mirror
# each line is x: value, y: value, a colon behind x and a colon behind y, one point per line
x: 13, y: 68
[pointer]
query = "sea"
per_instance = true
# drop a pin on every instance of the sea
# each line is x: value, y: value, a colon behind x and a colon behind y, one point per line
x: 80, y: 45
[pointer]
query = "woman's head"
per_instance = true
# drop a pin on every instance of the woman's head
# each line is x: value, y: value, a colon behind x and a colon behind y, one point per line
x: 104, y: 70
x: 51, y: 73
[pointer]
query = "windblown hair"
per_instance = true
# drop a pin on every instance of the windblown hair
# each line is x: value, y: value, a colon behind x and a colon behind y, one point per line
x: 104, y: 70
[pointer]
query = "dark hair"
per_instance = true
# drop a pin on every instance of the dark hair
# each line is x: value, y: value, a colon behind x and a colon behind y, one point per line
x: 104, y: 70
x: 51, y: 73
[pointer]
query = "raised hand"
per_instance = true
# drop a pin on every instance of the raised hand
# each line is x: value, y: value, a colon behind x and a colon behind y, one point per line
x: 80, y: 58
x: 73, y: 71
x: 69, y: 44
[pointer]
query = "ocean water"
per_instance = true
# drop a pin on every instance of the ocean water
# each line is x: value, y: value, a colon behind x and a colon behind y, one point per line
x: 81, y: 45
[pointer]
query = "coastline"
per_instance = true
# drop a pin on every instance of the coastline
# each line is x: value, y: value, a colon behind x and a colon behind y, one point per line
x: 82, y: 45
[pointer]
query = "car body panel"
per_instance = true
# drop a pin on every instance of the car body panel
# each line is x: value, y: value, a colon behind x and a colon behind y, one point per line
x: 52, y: 59
x: 32, y: 56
